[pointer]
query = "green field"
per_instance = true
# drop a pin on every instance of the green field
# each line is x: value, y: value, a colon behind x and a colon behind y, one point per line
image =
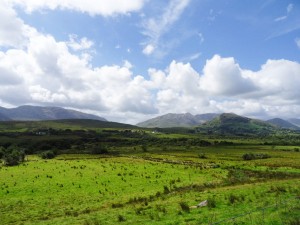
x: 155, y: 187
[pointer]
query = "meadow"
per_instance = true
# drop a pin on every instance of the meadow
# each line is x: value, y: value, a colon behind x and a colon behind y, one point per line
x: 155, y: 185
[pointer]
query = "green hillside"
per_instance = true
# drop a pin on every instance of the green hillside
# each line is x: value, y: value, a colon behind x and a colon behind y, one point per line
x: 73, y: 124
x: 232, y: 124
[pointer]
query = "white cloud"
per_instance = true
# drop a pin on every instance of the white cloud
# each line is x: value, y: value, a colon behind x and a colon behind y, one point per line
x: 222, y: 76
x: 155, y: 27
x: 148, y: 50
x: 14, y: 33
x: 78, y: 45
x: 92, y: 7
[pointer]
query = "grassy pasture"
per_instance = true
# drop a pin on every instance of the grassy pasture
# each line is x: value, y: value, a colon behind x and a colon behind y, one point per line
x: 154, y: 187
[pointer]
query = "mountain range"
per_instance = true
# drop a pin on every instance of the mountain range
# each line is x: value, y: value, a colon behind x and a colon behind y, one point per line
x: 211, y: 119
x: 35, y: 113
x: 209, y: 122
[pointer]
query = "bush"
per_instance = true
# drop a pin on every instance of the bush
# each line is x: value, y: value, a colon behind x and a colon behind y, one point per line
x: 13, y: 156
x: 248, y: 156
x: 48, y: 154
x: 100, y: 149
x: 121, y: 218
x: 166, y: 190
x: 211, y: 203
x: 144, y: 148
x: 184, y: 206
x: 202, y: 156
x: 232, y: 198
x: 251, y: 156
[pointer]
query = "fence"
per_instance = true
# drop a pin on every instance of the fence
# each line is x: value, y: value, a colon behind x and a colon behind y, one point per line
x: 259, y: 214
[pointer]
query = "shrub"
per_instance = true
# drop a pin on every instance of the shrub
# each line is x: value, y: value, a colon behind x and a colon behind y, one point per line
x: 211, y: 203
x: 232, y: 198
x: 48, y: 154
x: 251, y: 156
x: 236, y: 176
x: 100, y: 149
x: 144, y: 148
x: 121, y: 218
x: 184, y: 206
x: 248, y: 156
x: 13, y: 156
x: 166, y: 190
x: 202, y: 156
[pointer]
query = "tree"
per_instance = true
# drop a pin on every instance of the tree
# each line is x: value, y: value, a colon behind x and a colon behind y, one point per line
x: 12, y: 156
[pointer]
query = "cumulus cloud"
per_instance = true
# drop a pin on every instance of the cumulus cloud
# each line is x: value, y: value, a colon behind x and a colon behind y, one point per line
x: 14, y: 33
x: 222, y: 76
x: 92, y: 7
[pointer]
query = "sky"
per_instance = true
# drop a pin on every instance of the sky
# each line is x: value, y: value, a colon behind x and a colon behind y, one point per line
x: 132, y: 60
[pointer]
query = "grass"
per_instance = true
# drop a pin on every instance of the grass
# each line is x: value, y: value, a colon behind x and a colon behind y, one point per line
x: 154, y: 187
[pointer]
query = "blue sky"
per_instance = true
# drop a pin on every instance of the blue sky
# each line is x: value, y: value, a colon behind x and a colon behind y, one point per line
x: 129, y: 60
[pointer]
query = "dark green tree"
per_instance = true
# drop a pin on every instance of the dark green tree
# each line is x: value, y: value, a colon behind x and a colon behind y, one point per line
x: 13, y: 155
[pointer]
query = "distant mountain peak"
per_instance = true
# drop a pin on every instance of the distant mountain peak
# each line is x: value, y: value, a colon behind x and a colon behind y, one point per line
x: 33, y: 113
x: 177, y: 120
x: 283, y: 123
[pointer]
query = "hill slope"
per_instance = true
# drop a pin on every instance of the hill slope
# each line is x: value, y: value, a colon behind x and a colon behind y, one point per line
x: 283, y: 124
x: 73, y: 124
x: 295, y: 121
x: 177, y: 120
x: 33, y: 113
x: 232, y: 124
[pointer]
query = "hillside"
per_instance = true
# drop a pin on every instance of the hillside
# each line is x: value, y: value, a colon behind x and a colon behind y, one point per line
x: 283, y: 124
x: 177, y: 120
x: 295, y: 121
x: 4, y: 117
x: 232, y: 124
x: 73, y: 124
x: 34, y: 113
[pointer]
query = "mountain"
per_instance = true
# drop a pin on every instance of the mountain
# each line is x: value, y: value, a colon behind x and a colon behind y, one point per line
x: 232, y: 124
x: 73, y: 124
x: 4, y: 117
x: 33, y: 113
x: 177, y: 120
x: 202, y: 118
x: 283, y: 124
x: 295, y: 121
